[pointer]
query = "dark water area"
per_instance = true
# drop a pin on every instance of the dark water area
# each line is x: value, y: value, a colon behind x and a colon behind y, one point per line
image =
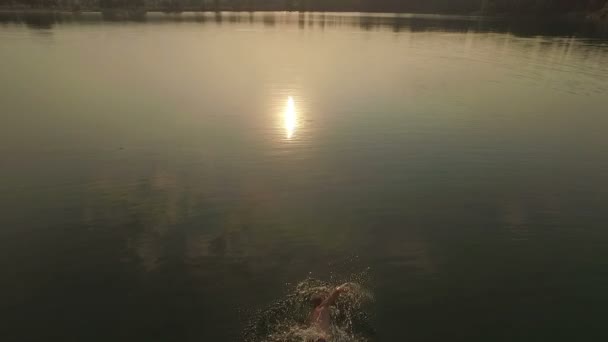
x: 169, y: 178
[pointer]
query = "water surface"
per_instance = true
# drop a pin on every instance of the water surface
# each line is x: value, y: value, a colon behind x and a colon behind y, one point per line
x: 160, y: 180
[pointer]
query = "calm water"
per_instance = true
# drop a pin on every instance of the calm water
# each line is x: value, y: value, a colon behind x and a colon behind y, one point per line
x: 161, y: 180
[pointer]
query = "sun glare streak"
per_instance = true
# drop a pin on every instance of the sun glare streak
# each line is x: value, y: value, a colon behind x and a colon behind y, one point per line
x: 290, y: 118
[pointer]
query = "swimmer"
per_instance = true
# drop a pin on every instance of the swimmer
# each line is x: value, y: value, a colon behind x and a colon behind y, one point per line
x: 320, y: 317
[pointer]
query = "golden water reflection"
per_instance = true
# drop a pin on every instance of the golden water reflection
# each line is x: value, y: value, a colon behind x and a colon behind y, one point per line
x: 290, y: 118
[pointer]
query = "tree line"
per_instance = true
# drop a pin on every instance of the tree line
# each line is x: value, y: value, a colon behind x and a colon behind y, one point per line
x: 426, y: 6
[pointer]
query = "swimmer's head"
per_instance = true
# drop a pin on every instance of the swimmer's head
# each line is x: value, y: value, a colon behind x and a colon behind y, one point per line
x: 316, y: 300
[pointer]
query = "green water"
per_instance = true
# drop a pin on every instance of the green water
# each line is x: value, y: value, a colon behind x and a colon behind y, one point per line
x: 157, y: 184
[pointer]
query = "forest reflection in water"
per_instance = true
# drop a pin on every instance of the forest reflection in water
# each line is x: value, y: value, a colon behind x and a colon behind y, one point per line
x: 524, y: 27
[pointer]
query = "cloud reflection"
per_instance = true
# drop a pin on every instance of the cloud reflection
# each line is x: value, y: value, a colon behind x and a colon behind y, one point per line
x: 290, y: 118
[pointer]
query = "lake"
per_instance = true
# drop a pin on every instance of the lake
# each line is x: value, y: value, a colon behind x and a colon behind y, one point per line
x: 168, y: 178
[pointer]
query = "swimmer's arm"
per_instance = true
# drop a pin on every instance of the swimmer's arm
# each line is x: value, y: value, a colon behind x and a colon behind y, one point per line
x: 333, y: 296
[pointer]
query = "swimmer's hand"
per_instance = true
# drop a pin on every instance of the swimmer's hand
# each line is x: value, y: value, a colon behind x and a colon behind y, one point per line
x: 331, y: 299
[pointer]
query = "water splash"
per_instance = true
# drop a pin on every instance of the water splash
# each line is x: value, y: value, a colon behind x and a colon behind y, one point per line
x: 286, y: 320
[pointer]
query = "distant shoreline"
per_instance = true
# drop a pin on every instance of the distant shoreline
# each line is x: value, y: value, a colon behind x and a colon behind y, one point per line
x: 26, y: 11
x: 546, y: 9
x: 574, y: 23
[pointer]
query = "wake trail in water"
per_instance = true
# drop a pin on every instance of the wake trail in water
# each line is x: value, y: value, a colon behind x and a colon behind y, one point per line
x: 287, y: 319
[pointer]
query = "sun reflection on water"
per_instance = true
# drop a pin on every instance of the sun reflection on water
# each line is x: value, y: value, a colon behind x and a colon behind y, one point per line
x: 290, y: 118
